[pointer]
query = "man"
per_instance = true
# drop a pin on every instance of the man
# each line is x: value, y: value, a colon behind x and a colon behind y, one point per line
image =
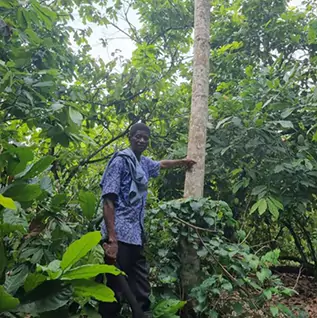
x: 124, y: 192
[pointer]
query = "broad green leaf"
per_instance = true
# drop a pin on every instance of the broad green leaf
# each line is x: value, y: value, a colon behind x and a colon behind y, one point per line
x: 53, y: 269
x: 75, y: 116
x: 213, y: 314
x: 168, y: 306
x: 20, y: 156
x: 6, y: 4
x: 274, y: 311
x: 259, y: 189
x: 268, y: 294
x: 196, y: 206
x: 15, y: 278
x: 271, y: 258
x: 285, y: 123
x: 33, y: 280
x: 7, y: 302
x: 263, y: 274
x: 24, y: 192
x: 89, y: 271
x: 6, y: 229
x: 47, y: 298
x: 237, y: 307
x: 286, y: 113
x: 89, y: 288
x: 96, y: 255
x: 273, y: 209
x: 8, y: 203
x: 254, y: 207
x: 277, y: 203
x: 87, y: 201
x: 44, y: 84
x: 79, y: 249
x: 39, y: 167
x: 262, y: 206
x: 12, y: 217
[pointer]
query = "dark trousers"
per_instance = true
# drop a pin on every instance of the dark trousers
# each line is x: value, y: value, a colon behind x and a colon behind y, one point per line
x: 131, y: 260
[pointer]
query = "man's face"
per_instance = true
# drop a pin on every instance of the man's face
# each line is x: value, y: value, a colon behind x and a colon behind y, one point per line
x: 139, y: 141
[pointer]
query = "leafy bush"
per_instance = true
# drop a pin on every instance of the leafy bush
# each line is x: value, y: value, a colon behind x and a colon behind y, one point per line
x: 229, y: 277
x: 40, y: 289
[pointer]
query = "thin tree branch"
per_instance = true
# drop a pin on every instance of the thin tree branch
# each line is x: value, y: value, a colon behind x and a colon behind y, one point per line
x: 85, y: 161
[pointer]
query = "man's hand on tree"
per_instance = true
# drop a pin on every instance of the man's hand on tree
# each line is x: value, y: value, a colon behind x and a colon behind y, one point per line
x: 188, y: 163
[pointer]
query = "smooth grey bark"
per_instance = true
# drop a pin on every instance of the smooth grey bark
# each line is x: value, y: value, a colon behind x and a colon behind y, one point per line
x: 194, y: 183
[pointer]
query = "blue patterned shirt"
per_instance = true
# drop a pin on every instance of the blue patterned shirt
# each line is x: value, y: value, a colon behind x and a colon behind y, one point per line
x: 129, y: 219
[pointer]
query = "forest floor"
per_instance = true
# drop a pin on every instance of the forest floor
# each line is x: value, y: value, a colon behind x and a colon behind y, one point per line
x: 306, y: 299
x: 303, y: 304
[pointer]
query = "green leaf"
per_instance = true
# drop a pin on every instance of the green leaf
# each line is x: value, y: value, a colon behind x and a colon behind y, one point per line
x: 7, y: 302
x: 259, y: 190
x: 46, y: 297
x: 285, y: 123
x: 89, y: 288
x: 268, y: 294
x: 237, y: 307
x: 263, y: 274
x: 287, y: 112
x: 277, y: 203
x: 213, y: 314
x: 53, y: 269
x: 273, y: 209
x: 24, y: 192
x: 20, y: 156
x: 33, y: 280
x: 79, y: 249
x: 262, y: 206
x: 254, y: 207
x: 89, y: 271
x: 168, y: 306
x: 8, y: 203
x: 274, y: 311
x: 15, y: 279
x: 44, y: 84
x: 196, y: 206
x: 39, y: 167
x: 6, y: 4
x: 75, y: 116
x: 87, y: 201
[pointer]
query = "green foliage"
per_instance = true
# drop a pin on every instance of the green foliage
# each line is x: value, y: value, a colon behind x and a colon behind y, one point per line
x: 79, y: 249
x: 7, y: 301
x: 59, y: 124
x: 52, y: 287
x: 227, y: 268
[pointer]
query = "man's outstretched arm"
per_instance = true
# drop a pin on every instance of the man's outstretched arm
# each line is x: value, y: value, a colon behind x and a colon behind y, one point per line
x: 170, y: 164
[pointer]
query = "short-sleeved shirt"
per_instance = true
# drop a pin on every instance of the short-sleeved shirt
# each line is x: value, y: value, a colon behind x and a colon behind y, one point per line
x: 129, y: 219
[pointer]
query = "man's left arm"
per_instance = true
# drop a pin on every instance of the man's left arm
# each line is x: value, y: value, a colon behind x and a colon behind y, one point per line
x: 170, y: 164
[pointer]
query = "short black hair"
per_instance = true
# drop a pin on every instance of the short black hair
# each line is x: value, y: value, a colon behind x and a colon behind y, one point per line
x: 139, y: 126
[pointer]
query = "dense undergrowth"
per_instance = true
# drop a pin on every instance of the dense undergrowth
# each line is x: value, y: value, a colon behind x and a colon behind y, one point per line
x: 63, y: 113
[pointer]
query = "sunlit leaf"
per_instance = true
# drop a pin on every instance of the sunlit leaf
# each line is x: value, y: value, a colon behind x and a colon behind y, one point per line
x: 88, y: 271
x: 79, y: 249
x: 8, y: 203
x: 89, y: 288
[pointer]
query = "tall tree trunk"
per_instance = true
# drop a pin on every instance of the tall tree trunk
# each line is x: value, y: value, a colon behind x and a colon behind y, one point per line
x: 194, y: 183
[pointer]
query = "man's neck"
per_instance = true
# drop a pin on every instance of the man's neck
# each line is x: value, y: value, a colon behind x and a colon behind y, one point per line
x: 137, y: 155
